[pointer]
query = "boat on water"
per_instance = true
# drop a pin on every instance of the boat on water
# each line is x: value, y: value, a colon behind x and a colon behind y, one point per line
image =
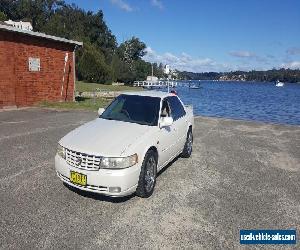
x: 279, y: 83
x: 194, y: 86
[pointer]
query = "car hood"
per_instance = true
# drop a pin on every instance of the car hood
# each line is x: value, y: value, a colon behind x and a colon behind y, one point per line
x: 104, y: 137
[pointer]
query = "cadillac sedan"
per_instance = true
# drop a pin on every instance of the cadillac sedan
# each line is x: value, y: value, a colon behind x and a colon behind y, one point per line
x: 123, y: 149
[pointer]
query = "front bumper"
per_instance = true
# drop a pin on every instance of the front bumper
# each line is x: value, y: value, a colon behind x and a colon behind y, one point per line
x: 102, y: 180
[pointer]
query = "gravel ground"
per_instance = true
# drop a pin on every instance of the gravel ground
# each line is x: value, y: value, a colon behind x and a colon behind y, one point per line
x: 242, y: 175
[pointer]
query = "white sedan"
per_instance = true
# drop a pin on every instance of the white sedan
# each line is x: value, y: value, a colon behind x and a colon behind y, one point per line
x: 122, y: 151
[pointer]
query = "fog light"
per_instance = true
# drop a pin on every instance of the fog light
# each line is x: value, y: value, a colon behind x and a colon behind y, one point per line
x: 114, y: 189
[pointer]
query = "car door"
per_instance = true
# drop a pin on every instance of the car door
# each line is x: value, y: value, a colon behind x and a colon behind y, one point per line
x: 180, y: 123
x: 167, y: 136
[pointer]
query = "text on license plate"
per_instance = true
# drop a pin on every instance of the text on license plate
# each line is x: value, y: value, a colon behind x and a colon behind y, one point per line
x: 78, y: 178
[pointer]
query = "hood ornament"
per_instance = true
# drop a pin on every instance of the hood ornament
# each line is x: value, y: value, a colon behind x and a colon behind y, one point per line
x: 78, y: 161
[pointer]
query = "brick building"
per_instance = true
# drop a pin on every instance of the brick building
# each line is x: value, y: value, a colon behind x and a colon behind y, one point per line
x: 35, y: 67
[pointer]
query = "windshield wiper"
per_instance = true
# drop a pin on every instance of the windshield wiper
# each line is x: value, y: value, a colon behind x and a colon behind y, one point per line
x: 130, y: 121
x: 107, y: 118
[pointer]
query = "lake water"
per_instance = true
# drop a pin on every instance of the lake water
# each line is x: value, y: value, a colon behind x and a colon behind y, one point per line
x: 245, y: 100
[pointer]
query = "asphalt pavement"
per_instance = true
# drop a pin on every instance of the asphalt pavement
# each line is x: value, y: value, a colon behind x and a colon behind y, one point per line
x: 242, y: 175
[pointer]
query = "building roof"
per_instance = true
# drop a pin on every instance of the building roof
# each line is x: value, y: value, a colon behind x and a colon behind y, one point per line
x: 151, y: 93
x: 21, y: 25
x: 38, y: 34
x: 3, y: 23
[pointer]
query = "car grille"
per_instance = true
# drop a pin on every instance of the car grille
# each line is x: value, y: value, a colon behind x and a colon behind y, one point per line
x: 82, y: 161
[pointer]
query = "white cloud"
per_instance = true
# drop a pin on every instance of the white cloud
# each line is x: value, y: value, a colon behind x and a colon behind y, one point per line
x: 242, y: 54
x: 293, y: 51
x: 270, y: 56
x: 185, y: 62
x: 247, y: 55
x: 157, y: 3
x: 122, y: 5
x: 291, y: 65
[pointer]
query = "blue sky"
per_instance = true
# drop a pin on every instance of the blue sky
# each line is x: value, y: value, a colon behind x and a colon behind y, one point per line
x: 208, y: 35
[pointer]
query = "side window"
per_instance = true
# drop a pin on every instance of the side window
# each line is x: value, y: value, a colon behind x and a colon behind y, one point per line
x: 177, y: 110
x: 165, y: 109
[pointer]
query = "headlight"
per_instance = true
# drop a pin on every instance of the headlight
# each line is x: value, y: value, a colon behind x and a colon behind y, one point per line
x: 61, y: 151
x: 119, y: 162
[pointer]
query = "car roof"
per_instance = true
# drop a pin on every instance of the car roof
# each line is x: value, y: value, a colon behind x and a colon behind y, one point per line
x: 151, y: 93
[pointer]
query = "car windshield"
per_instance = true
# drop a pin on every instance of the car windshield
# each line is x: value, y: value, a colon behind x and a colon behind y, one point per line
x: 143, y: 110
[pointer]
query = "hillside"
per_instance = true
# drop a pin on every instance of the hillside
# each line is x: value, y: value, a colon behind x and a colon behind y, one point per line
x: 285, y: 75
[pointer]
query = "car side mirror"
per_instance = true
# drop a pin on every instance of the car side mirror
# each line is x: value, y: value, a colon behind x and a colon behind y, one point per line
x: 100, y: 111
x: 166, y: 121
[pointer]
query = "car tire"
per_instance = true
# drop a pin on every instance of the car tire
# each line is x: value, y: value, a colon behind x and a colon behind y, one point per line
x: 188, y: 146
x: 147, y: 177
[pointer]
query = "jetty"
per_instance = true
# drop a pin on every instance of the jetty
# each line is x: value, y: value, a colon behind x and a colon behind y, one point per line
x: 155, y: 84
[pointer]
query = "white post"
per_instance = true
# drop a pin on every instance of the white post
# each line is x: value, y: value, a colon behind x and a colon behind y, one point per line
x: 152, y: 70
x: 63, y: 80
x: 74, y: 74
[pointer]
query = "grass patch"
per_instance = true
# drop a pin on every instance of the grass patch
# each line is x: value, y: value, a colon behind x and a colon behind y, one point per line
x: 91, y: 87
x: 82, y: 103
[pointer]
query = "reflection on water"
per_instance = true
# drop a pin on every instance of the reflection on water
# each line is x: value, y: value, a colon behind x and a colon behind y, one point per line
x: 245, y: 100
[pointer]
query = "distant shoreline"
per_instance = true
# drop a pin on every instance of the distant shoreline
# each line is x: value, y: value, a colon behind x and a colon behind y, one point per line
x: 244, y: 120
x: 283, y: 75
x: 252, y: 81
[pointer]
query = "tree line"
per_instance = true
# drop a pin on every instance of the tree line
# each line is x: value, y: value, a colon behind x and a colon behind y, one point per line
x: 101, y: 59
x: 284, y: 75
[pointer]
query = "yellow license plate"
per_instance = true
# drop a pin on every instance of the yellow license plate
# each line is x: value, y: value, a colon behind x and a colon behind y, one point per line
x: 78, y: 178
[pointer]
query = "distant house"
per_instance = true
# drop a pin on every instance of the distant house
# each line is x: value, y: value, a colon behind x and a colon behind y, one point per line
x: 167, y: 69
x: 20, y: 25
x: 152, y: 78
x: 35, y: 67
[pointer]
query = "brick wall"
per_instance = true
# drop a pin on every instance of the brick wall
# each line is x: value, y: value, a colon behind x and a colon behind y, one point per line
x: 21, y: 87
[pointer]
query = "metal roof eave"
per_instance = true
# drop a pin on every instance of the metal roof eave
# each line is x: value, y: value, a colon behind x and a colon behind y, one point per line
x: 38, y: 34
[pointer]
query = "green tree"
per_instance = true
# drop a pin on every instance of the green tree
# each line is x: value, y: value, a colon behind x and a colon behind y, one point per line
x: 132, y: 49
x: 92, y: 66
x: 132, y: 66
x: 3, y: 16
x: 100, y: 59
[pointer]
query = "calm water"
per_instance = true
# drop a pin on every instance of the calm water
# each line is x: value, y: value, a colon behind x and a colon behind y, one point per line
x: 245, y: 100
